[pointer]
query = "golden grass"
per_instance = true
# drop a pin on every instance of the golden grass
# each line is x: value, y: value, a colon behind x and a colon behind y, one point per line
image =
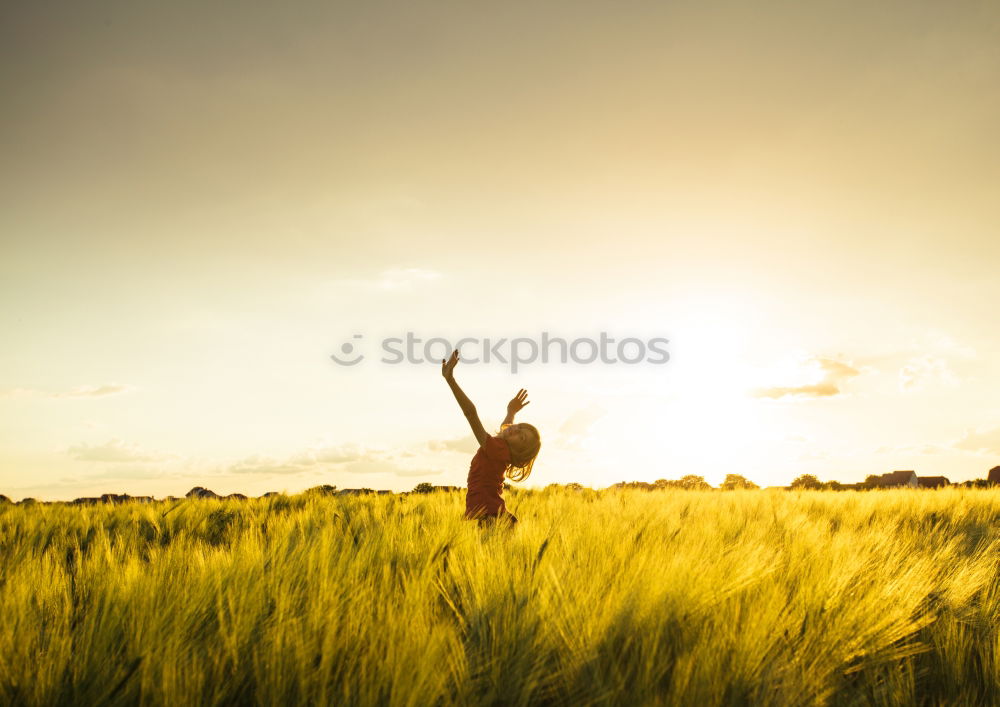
x: 597, y: 598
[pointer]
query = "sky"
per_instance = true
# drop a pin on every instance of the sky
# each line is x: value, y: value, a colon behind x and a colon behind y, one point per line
x: 201, y: 203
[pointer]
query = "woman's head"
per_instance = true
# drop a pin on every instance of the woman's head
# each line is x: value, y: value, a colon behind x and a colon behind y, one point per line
x: 524, y: 443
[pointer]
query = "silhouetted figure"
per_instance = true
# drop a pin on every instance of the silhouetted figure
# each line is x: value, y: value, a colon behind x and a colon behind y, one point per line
x: 510, y: 453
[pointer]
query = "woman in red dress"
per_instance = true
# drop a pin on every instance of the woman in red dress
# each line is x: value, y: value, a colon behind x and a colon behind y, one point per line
x: 510, y: 454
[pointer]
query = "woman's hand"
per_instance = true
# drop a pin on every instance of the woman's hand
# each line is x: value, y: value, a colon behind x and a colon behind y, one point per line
x: 448, y: 367
x: 517, y: 402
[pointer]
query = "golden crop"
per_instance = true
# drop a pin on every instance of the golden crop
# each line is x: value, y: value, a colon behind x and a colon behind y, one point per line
x: 597, y: 598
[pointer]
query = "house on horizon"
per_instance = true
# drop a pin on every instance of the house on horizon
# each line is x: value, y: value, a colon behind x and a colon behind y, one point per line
x: 932, y: 482
x: 994, y: 476
x: 124, y: 498
x: 898, y: 479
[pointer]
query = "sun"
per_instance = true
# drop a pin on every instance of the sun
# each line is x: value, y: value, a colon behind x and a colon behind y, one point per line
x: 703, y: 415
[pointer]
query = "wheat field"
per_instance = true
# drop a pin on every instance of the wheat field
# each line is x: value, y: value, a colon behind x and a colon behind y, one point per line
x: 597, y: 598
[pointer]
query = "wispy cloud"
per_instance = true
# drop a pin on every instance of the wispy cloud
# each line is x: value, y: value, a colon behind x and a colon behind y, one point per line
x: 983, y: 441
x: 945, y: 344
x: 987, y: 441
x: 95, y: 391
x: 127, y: 472
x: 417, y: 472
x: 914, y: 449
x: 404, y: 278
x: 465, y: 445
x: 114, y: 451
x: 345, y: 458
x: 396, y: 279
x: 326, y: 455
x: 919, y: 371
x: 832, y: 375
x: 578, y: 425
x: 84, y: 391
x: 580, y: 422
x: 257, y: 464
x: 384, y: 465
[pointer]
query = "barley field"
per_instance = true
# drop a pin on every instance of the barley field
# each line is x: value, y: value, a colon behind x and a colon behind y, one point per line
x: 597, y: 598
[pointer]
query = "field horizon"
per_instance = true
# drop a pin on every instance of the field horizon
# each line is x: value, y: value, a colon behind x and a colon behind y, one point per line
x: 690, y: 482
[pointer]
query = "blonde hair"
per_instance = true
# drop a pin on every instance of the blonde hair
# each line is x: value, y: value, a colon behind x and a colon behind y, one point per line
x: 519, y: 470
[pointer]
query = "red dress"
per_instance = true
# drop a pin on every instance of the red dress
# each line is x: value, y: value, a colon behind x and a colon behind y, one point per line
x: 485, y: 493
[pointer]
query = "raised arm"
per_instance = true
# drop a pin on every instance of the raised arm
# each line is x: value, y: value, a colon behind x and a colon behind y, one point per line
x: 515, y: 404
x: 468, y: 409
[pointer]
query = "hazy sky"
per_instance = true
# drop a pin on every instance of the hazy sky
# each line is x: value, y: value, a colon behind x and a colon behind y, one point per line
x: 199, y: 205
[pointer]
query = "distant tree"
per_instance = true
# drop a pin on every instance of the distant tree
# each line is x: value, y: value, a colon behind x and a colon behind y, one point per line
x: 667, y: 484
x: 871, y: 481
x: 833, y: 486
x: 735, y: 481
x: 807, y: 481
x: 573, y: 486
x: 640, y: 485
x: 977, y: 484
x: 694, y: 483
x: 423, y: 487
x: 324, y: 490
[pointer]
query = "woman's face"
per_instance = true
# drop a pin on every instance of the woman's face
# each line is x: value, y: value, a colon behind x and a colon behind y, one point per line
x: 519, y: 436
